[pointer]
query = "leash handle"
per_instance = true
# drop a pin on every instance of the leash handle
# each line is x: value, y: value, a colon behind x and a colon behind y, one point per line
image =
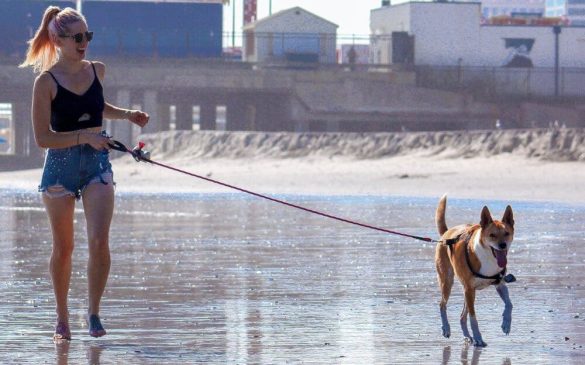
x: 137, y: 152
x: 118, y: 146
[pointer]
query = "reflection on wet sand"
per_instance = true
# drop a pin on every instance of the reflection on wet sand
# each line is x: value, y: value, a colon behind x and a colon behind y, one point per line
x: 62, y: 352
x: 476, y: 353
x: 219, y: 278
x: 93, y: 354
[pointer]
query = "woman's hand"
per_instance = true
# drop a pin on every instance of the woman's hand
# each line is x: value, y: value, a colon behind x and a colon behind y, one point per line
x: 138, y: 117
x: 96, y: 140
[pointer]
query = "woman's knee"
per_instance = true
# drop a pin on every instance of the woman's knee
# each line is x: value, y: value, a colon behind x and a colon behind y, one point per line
x: 63, y: 250
x: 99, y: 245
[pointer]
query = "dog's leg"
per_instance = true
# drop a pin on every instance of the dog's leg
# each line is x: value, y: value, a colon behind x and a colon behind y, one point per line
x: 470, y: 303
x: 445, y: 277
x: 507, y: 315
x: 463, y: 323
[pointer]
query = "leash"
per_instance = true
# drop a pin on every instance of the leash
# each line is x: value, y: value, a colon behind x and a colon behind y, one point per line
x: 141, y: 155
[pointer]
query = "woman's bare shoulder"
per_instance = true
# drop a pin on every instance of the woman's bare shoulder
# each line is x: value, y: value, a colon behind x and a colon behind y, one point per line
x: 44, y: 80
x: 100, y: 68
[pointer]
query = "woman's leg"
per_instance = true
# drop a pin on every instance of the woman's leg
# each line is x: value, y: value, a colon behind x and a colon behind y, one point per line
x: 60, y: 211
x: 98, y: 204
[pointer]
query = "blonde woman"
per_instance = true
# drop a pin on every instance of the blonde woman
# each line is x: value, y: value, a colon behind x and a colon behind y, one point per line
x: 67, y: 112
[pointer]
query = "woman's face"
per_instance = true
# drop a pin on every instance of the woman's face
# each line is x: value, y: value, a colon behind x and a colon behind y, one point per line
x: 74, y: 43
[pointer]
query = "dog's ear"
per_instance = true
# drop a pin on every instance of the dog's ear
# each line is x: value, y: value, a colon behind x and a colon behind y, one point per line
x: 508, y: 217
x: 486, y: 217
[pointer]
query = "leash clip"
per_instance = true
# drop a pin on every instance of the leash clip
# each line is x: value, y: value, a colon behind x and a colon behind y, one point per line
x: 139, y: 154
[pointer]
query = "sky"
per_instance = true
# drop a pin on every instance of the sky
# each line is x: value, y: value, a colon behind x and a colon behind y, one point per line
x: 352, y: 16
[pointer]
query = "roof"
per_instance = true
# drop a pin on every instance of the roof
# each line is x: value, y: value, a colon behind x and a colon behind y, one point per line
x: 428, y: 3
x: 283, y: 12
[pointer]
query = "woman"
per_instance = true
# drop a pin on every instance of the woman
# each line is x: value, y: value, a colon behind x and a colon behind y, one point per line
x: 67, y: 111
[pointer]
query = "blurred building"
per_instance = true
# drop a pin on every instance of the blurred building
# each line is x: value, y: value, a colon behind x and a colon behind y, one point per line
x: 181, y: 28
x: 293, y: 35
x: 573, y: 10
x: 426, y: 33
x: 494, y: 8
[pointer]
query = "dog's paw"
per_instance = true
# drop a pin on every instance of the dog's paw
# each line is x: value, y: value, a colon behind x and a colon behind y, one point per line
x: 446, y: 331
x: 506, y: 323
x: 506, y: 326
x: 479, y: 343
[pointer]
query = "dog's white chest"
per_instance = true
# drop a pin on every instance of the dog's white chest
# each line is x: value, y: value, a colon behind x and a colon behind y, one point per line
x: 489, y: 265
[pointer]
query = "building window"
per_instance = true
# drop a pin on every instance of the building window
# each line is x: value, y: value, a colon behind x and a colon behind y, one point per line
x: 6, y: 129
x: 578, y: 12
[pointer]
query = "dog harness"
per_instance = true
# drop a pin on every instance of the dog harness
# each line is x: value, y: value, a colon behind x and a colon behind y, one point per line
x: 497, y: 278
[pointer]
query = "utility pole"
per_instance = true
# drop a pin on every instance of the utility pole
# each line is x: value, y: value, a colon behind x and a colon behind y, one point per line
x: 269, y: 7
x: 233, y: 24
x: 78, y: 5
x: 557, y: 31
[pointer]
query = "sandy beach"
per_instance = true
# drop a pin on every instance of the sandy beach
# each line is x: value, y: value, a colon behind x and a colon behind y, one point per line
x: 353, y: 165
x: 208, y: 277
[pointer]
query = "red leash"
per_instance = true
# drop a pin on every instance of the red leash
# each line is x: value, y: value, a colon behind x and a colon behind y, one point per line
x: 140, y: 155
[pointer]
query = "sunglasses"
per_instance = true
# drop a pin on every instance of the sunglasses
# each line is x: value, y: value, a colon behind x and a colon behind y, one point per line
x: 78, y: 38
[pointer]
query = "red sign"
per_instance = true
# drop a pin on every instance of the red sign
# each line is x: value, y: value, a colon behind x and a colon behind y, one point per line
x: 250, y: 11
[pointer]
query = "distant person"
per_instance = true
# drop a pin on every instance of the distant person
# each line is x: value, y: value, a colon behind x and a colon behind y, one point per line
x: 67, y: 112
x: 352, y: 58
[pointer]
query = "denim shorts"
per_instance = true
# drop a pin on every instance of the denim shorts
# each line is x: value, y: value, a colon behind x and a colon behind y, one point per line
x: 68, y: 171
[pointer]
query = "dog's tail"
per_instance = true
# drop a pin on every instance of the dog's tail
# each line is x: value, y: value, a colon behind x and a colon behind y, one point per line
x: 440, y: 215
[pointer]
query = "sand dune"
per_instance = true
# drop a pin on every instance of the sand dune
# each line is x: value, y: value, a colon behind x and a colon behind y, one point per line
x: 553, y: 145
x: 535, y: 165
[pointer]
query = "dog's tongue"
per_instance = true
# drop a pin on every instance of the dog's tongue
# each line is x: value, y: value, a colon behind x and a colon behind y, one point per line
x: 501, y: 257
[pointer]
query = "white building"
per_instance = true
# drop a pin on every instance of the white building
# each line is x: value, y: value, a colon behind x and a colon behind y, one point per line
x: 573, y: 10
x: 425, y: 33
x: 292, y: 35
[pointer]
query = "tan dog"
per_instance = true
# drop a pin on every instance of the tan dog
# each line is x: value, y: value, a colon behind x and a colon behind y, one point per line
x: 477, y: 255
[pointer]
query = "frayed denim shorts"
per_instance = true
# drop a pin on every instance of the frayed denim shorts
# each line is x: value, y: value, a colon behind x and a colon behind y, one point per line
x: 68, y: 171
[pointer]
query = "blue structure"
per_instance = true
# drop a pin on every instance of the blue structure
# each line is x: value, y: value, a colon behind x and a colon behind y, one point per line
x: 125, y: 28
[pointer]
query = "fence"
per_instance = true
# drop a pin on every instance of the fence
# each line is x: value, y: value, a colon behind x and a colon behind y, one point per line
x: 497, y: 82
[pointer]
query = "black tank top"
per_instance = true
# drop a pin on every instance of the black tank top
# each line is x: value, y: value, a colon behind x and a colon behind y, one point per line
x: 72, y: 112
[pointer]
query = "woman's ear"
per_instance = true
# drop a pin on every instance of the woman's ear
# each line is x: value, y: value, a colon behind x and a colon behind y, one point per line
x: 57, y: 41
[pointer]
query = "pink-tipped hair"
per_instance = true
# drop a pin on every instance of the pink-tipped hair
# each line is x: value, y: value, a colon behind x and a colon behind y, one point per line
x: 42, y: 51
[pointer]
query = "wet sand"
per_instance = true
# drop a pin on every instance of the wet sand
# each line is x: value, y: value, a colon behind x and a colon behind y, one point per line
x: 224, y: 278
x: 204, y: 275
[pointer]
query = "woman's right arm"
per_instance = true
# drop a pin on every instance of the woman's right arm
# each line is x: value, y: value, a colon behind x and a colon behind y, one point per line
x: 41, y: 116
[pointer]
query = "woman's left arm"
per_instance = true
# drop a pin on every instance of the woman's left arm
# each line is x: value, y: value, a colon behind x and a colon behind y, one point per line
x: 137, y: 117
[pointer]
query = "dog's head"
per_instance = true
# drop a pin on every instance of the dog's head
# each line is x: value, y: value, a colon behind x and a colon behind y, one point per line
x: 497, y: 235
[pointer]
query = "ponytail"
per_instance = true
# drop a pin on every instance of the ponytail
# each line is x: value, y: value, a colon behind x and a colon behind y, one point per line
x: 42, y: 52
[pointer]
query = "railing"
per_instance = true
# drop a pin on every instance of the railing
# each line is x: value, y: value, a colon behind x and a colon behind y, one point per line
x: 499, y: 82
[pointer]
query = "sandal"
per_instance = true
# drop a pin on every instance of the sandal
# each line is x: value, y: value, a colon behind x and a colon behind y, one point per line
x: 95, y: 326
x: 62, y: 332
